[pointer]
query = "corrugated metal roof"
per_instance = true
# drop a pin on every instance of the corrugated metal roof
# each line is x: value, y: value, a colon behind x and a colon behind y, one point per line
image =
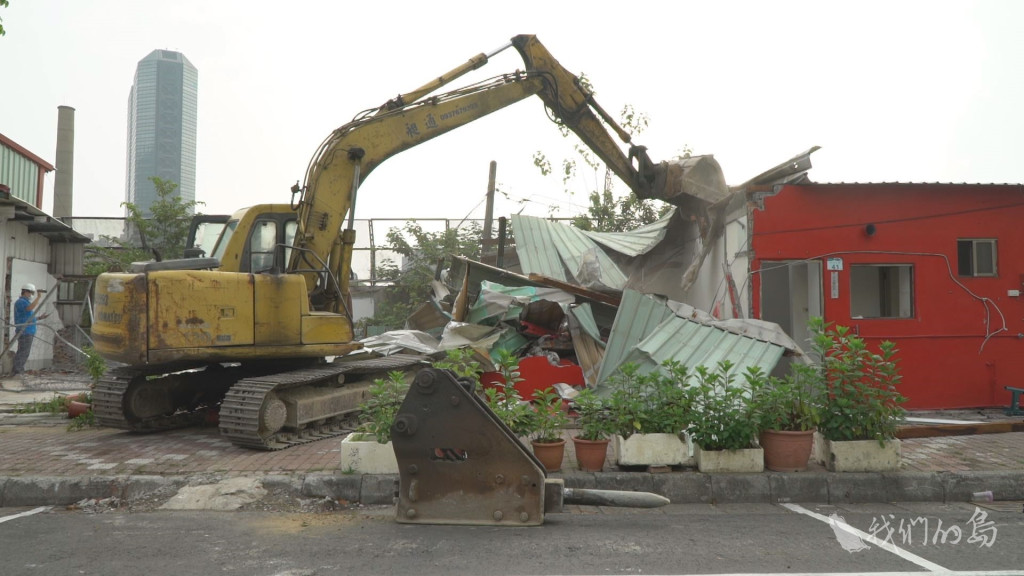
x: 558, y: 251
x: 637, y: 317
x: 536, y: 248
x: 634, y: 242
x: 646, y: 332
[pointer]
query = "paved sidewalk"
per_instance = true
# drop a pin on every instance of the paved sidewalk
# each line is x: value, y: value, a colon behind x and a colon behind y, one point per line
x: 42, y: 462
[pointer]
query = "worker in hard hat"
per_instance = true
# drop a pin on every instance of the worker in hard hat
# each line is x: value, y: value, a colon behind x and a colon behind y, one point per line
x: 25, y: 320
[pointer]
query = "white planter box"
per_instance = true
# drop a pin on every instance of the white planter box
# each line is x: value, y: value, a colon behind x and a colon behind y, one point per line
x: 858, y: 455
x: 650, y: 450
x: 361, y: 453
x: 749, y: 460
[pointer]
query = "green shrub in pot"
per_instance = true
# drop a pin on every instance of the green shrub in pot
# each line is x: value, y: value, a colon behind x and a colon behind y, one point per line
x: 861, y: 401
x: 721, y: 411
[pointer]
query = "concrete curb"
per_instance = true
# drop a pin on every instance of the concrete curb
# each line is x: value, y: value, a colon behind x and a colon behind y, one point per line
x: 680, y: 488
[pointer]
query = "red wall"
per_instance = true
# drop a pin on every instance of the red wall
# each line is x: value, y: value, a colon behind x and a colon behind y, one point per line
x: 945, y: 358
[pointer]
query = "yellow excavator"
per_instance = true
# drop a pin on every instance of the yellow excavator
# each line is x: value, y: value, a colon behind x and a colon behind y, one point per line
x: 247, y: 329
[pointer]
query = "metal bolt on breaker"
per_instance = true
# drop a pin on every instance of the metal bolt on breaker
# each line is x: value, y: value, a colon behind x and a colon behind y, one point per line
x: 459, y: 464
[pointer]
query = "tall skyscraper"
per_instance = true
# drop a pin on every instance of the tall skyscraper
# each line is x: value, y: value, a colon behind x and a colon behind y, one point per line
x: 162, y: 112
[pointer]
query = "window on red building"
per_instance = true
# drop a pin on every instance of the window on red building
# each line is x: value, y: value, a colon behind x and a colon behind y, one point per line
x: 976, y: 257
x: 881, y: 291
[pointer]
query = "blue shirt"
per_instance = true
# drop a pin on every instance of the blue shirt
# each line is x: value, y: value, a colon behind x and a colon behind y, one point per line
x: 23, y: 317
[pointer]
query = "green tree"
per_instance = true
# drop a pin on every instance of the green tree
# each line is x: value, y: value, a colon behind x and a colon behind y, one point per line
x: 3, y: 4
x: 422, y: 253
x: 161, y: 234
x: 605, y: 211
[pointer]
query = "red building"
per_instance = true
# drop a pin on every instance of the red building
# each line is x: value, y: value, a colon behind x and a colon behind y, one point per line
x: 936, y: 268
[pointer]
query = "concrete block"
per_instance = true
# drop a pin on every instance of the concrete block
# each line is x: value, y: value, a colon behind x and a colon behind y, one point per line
x: 914, y: 487
x: 283, y: 484
x: 650, y: 450
x: 857, y: 487
x: 797, y: 487
x: 579, y: 479
x: 1004, y: 485
x: 628, y: 481
x: 361, y: 453
x: 378, y: 489
x: 683, y: 488
x: 747, y: 460
x: 863, y: 456
x: 739, y: 488
x: 57, y: 491
x: 335, y: 486
x: 145, y: 486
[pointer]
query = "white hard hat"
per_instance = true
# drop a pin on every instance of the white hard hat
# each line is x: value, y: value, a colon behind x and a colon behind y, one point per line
x: 29, y: 287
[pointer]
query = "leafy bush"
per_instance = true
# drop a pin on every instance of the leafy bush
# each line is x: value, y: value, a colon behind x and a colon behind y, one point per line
x: 505, y: 401
x: 653, y: 403
x: 861, y: 400
x: 379, y: 410
x: 594, y: 420
x: 792, y: 403
x: 722, y: 415
x: 547, y: 418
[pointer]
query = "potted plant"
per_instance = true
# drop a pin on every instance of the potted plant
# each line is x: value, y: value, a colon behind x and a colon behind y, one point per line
x: 544, y: 423
x: 596, y: 426
x: 789, y: 410
x: 368, y: 449
x: 861, y: 409
x: 650, y: 412
x: 722, y: 422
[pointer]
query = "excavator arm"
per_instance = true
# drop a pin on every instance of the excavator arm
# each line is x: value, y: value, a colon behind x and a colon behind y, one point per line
x: 354, y: 150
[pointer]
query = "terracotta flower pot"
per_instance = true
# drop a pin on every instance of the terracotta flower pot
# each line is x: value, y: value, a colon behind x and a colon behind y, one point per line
x: 76, y: 408
x: 590, y: 454
x: 549, y: 454
x: 786, y: 450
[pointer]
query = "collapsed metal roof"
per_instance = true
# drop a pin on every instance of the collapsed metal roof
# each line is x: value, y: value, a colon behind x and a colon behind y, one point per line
x: 649, y: 330
x: 564, y: 253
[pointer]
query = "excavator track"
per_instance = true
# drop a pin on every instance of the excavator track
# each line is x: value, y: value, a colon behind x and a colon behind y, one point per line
x: 253, y: 415
x: 113, y: 400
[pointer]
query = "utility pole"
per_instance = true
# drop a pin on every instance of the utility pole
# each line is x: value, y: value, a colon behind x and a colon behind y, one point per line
x: 489, y: 211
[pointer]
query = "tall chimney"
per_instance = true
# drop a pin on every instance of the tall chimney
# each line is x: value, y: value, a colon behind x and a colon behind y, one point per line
x: 63, y: 183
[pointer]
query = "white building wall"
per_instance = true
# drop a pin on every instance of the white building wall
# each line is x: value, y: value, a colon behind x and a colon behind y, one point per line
x: 26, y: 258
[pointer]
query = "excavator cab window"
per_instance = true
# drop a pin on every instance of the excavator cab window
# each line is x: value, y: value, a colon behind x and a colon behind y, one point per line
x: 270, y: 244
x: 261, y: 246
x: 225, y: 238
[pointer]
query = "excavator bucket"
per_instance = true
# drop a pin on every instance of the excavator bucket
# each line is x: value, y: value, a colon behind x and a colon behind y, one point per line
x: 459, y: 464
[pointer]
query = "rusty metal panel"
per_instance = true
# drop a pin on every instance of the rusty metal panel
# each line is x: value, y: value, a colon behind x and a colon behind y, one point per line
x: 119, y: 330
x: 199, y: 309
x: 458, y: 464
x: 277, y: 308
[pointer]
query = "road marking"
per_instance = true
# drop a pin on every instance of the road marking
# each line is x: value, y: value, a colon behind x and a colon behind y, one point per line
x: 23, y: 514
x: 888, y: 546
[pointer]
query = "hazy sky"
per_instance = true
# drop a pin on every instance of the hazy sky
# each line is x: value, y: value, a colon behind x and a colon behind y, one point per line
x: 926, y: 91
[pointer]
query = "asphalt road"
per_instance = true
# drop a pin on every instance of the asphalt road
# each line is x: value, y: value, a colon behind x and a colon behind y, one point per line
x: 676, y: 539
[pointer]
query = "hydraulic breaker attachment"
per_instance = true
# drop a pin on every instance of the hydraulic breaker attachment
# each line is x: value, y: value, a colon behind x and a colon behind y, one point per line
x: 459, y: 464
